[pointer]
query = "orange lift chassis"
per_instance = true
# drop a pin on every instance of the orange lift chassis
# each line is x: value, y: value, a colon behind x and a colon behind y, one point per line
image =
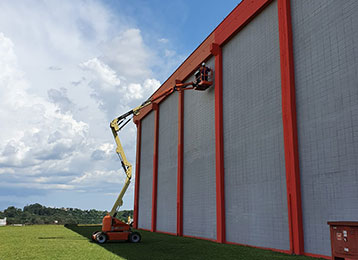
x: 112, y: 228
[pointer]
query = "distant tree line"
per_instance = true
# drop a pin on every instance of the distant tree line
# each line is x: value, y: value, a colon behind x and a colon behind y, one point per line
x: 38, y: 214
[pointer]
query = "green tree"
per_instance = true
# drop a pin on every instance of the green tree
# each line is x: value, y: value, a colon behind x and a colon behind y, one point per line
x: 38, y: 214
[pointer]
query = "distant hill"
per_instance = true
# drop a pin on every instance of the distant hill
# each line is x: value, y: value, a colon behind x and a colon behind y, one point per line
x: 38, y: 214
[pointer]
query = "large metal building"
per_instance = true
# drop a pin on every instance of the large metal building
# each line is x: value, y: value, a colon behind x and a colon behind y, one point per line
x: 269, y: 153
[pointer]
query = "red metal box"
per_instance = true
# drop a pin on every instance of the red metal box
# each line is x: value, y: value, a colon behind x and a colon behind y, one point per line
x: 344, y: 240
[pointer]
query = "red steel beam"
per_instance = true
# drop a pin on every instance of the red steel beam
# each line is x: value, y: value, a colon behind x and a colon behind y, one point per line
x: 180, y: 164
x: 219, y: 145
x: 289, y: 119
x: 155, y: 168
x: 137, y: 173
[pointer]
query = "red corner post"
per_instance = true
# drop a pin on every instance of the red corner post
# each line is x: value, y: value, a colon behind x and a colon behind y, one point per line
x: 290, y: 128
x: 137, y: 172
x: 180, y: 164
x: 155, y: 168
x: 219, y: 145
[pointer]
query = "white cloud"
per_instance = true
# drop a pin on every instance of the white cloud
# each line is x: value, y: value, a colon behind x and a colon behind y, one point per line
x: 150, y: 85
x: 35, y: 130
x: 114, y: 92
x: 66, y: 70
x: 60, y: 98
x: 128, y: 54
x: 92, y: 179
x: 163, y: 40
x: 103, y: 152
x: 106, y: 77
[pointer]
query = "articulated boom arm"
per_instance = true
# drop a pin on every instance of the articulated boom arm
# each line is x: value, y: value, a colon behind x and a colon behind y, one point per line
x: 202, y: 83
x: 125, y: 164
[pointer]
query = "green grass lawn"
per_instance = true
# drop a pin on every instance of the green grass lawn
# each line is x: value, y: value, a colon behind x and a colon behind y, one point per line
x: 58, y: 242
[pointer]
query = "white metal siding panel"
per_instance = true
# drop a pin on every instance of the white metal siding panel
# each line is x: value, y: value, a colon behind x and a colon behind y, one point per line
x: 255, y: 178
x: 146, y: 172
x: 325, y: 41
x: 199, y: 198
x: 167, y: 164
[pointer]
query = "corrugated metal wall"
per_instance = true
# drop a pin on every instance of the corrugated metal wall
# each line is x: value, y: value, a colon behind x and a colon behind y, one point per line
x: 199, y: 199
x: 325, y: 41
x: 167, y: 165
x: 255, y: 182
x: 146, y: 172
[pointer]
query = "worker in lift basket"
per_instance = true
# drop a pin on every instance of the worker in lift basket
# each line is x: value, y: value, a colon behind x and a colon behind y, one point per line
x: 204, y: 72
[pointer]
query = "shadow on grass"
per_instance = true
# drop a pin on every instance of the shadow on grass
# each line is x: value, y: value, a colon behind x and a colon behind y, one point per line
x: 162, y: 246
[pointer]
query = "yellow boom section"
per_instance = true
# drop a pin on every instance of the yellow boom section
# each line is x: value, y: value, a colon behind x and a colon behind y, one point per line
x: 125, y: 164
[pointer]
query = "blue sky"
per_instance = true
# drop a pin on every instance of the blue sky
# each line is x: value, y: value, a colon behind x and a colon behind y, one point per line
x: 67, y: 68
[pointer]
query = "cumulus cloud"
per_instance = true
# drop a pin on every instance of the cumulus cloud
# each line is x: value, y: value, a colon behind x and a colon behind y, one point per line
x: 40, y: 138
x: 105, y: 77
x: 105, y: 151
x: 128, y: 54
x: 114, y: 92
x: 35, y: 129
x: 66, y: 70
x: 91, y: 179
x: 60, y: 98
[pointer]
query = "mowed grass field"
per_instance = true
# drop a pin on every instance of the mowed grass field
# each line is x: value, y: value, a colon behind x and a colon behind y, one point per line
x: 59, y: 242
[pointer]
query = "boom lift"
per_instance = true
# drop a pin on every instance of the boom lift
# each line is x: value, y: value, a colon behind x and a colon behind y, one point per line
x: 112, y: 228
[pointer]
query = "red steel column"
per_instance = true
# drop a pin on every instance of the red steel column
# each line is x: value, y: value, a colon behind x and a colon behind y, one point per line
x: 137, y: 173
x: 290, y: 128
x: 219, y: 145
x: 180, y: 164
x: 155, y: 168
